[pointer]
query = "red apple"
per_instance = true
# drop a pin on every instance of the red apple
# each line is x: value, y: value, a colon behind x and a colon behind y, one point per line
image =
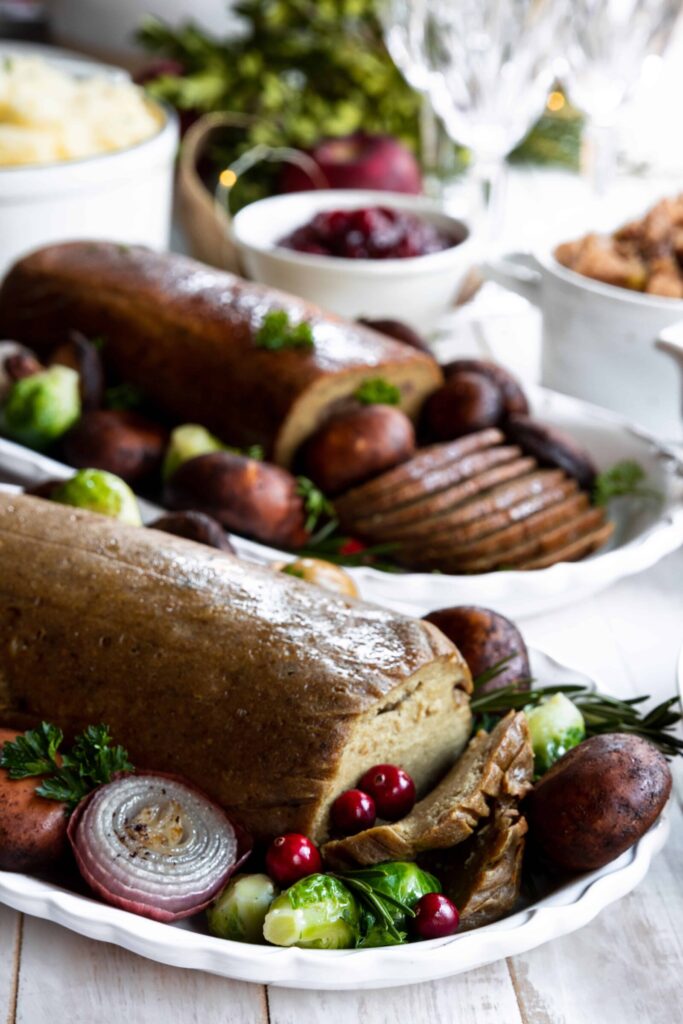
x: 359, y: 161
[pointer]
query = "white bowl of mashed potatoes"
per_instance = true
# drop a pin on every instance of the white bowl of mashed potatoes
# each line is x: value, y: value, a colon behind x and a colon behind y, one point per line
x: 83, y: 154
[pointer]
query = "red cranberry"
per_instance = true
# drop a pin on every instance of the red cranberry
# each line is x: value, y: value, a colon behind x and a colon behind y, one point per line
x: 353, y: 811
x: 435, y: 916
x: 291, y: 857
x: 391, y: 788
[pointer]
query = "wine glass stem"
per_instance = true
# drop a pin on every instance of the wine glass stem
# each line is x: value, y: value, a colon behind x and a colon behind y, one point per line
x: 492, y: 180
x: 602, y: 149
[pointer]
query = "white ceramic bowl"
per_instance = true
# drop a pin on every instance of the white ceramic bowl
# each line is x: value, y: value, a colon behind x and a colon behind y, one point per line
x: 124, y: 196
x: 417, y: 289
x: 599, y: 341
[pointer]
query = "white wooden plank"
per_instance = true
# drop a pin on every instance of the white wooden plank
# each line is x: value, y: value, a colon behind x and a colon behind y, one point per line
x: 485, y: 996
x: 10, y: 937
x: 626, y: 965
x: 66, y: 979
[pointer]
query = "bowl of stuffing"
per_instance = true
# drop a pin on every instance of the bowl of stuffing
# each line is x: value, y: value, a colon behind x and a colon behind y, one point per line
x: 612, y: 306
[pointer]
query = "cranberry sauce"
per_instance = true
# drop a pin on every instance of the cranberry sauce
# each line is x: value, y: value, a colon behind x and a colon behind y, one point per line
x: 373, y: 233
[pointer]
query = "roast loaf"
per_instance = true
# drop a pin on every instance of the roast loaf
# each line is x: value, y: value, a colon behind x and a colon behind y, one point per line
x: 184, y: 333
x: 268, y: 692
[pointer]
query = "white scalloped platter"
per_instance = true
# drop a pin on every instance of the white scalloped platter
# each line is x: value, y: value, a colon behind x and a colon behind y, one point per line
x: 564, y: 910
x: 646, y: 531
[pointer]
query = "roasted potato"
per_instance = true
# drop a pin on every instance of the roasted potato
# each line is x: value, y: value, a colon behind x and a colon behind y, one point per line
x: 485, y: 638
x: 354, y: 446
x: 597, y: 800
x: 323, y: 574
x: 195, y: 526
x: 552, y: 447
x: 121, y: 442
x: 32, y: 830
x: 514, y: 399
x: 253, y: 498
x: 467, y: 402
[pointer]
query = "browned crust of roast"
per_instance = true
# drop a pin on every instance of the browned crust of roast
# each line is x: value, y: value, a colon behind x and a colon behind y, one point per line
x: 572, y: 552
x: 185, y: 333
x: 483, y: 876
x: 455, y: 541
x: 551, y: 542
x: 501, y: 498
x: 410, y: 518
x: 356, y: 501
x: 494, y: 765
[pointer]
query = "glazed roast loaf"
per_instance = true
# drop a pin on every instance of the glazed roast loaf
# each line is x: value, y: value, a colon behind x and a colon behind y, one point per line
x: 271, y: 694
x: 184, y: 334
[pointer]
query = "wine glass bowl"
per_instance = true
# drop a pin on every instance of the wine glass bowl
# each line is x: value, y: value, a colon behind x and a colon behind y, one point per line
x: 485, y: 65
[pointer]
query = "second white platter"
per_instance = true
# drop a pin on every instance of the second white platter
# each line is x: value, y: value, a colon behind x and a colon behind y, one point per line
x: 646, y: 532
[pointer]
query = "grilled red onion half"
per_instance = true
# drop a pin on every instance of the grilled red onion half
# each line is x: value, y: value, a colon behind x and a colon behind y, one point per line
x: 155, y: 845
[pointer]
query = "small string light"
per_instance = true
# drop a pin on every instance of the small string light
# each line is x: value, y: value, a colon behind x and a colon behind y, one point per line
x: 555, y: 102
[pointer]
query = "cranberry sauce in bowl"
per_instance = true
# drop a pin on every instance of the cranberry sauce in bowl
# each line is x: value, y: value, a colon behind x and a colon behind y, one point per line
x: 369, y: 233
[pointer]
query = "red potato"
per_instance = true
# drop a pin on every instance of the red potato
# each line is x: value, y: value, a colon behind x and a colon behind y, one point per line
x: 32, y: 830
x: 484, y: 638
x: 357, y: 445
x: 255, y: 499
x: 466, y: 403
x: 598, y: 800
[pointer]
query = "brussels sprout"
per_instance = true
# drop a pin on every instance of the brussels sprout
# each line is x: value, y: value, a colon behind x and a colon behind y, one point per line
x: 99, y: 491
x: 42, y: 407
x: 398, y: 885
x: 240, y: 910
x: 187, y: 442
x: 318, y: 912
x: 555, y: 725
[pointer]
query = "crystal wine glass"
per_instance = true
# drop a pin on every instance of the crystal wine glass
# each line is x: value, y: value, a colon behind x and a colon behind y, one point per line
x: 608, y: 42
x: 486, y: 66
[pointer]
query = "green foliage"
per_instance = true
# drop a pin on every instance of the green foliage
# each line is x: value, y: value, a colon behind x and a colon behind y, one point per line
x: 316, y: 505
x: 91, y: 762
x: 377, y: 391
x: 278, y: 332
x: 623, y: 479
x: 34, y: 753
x: 304, y: 69
x: 387, y: 894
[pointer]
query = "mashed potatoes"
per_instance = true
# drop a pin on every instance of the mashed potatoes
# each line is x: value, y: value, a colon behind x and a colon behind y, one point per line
x: 48, y: 115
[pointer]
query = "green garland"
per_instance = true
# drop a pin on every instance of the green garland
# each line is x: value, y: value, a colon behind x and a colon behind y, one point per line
x: 307, y: 69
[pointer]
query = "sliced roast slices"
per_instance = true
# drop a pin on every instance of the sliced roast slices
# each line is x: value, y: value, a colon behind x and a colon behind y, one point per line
x: 475, y: 505
x: 483, y: 875
x: 494, y: 765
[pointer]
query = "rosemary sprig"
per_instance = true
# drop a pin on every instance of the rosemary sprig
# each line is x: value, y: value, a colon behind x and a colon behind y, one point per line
x: 377, y: 903
x: 602, y: 713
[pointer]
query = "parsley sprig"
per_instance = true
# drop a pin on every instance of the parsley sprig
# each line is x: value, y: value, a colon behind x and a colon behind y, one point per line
x: 377, y: 391
x: 69, y: 775
x: 624, y: 479
x: 277, y: 332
